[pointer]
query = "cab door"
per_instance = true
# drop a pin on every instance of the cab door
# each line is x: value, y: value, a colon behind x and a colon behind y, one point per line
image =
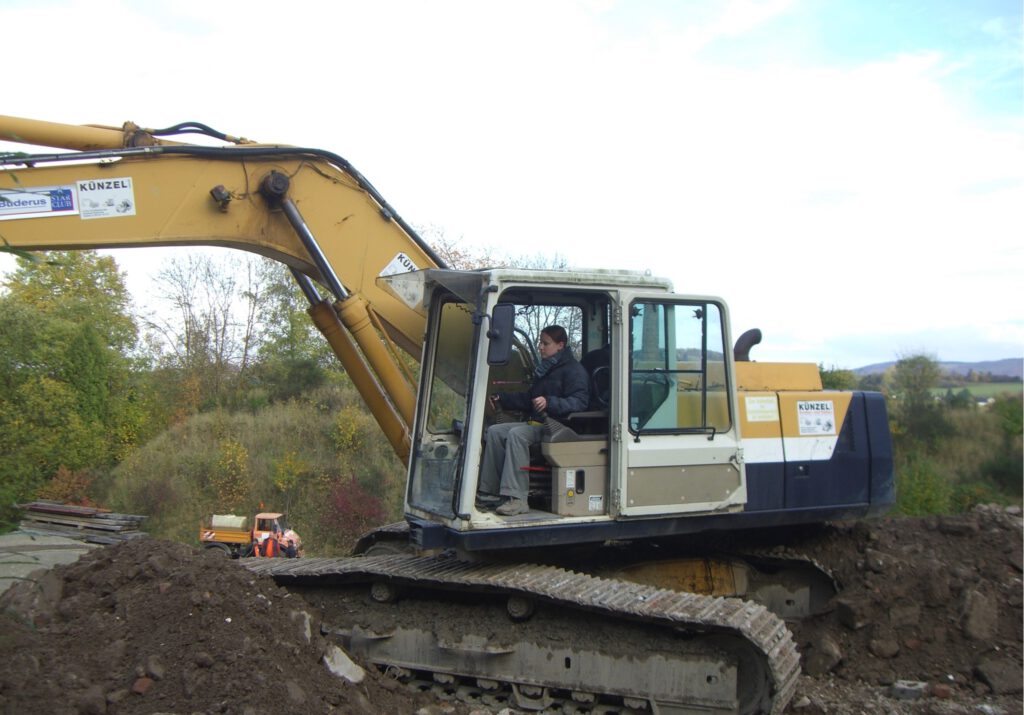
x: 681, y: 440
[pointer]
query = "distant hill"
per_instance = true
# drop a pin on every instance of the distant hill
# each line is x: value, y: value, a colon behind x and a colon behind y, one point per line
x: 1011, y: 367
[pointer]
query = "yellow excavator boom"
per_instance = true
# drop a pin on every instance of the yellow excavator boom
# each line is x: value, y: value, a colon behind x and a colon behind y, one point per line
x: 115, y: 188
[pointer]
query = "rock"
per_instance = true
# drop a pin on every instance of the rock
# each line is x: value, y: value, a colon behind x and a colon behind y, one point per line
x: 338, y: 662
x: 944, y: 707
x: 823, y: 657
x: 91, y: 701
x: 360, y: 703
x: 941, y: 690
x: 296, y: 695
x: 203, y: 659
x: 852, y: 613
x: 115, y: 650
x: 908, y: 689
x: 905, y: 615
x: 884, y: 647
x: 116, y: 696
x: 1002, y: 675
x: 39, y: 601
x: 957, y: 526
x: 155, y: 667
x: 158, y: 565
x: 305, y: 630
x: 937, y: 634
x: 979, y: 616
x: 73, y: 678
x: 1016, y: 558
x: 935, y: 586
x: 142, y: 685
x: 1016, y: 597
x: 986, y: 709
x: 964, y: 574
x: 873, y: 561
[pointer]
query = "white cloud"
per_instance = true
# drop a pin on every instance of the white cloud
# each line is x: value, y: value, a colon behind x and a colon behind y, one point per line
x: 856, y: 200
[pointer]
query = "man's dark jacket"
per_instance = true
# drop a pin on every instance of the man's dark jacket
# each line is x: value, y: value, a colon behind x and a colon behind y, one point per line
x: 565, y: 385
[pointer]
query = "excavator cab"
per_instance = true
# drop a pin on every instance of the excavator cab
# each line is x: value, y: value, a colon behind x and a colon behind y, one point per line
x: 658, y: 437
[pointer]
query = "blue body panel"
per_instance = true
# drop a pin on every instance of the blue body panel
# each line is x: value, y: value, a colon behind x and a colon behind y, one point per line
x: 857, y: 481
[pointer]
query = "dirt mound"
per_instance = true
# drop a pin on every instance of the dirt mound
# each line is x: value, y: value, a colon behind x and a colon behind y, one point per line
x: 155, y: 627
x: 929, y: 621
x: 929, y: 608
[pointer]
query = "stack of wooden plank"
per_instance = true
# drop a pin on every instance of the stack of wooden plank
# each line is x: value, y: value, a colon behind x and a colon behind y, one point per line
x: 91, y: 524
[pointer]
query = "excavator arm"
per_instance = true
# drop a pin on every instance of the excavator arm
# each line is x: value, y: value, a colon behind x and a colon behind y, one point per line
x: 310, y: 209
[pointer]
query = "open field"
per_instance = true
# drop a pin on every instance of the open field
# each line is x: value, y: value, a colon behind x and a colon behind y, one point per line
x: 984, y: 389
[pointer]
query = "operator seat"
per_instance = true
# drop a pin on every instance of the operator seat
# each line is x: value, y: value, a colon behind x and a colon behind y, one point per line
x: 598, y: 363
x: 588, y: 426
x: 576, y: 448
x: 581, y: 437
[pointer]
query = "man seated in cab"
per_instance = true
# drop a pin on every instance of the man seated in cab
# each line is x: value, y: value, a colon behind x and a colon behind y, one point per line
x: 560, y: 387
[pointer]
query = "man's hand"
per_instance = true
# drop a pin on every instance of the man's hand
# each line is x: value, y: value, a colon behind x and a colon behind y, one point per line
x: 540, y: 403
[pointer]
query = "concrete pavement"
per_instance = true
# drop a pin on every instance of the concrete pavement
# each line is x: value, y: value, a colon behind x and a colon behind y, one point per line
x: 22, y: 552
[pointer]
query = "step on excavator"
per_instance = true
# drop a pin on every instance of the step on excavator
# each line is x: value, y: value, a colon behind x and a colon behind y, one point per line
x: 646, y: 573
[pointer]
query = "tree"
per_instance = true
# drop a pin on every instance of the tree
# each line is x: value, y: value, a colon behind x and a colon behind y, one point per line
x: 916, y: 412
x: 294, y: 358
x: 962, y: 400
x: 209, y: 332
x: 80, y: 287
x: 66, y: 382
x: 835, y: 378
x: 1004, y: 468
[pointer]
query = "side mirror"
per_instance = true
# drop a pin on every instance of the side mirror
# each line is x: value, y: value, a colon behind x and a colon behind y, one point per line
x: 503, y: 319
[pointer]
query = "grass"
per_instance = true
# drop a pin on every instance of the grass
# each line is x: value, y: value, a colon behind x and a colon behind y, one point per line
x: 983, y: 390
x: 319, y: 444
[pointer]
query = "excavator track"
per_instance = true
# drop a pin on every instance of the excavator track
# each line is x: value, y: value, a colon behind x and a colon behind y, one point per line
x: 721, y: 655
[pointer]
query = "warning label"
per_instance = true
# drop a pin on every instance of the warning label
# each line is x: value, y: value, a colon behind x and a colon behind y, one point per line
x: 106, y: 198
x: 762, y: 409
x: 816, y: 417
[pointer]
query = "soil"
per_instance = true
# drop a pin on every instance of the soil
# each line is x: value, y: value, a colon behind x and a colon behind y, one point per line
x: 928, y: 621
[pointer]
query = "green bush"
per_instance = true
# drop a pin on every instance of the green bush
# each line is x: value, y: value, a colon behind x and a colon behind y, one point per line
x: 285, y: 457
x: 922, y: 487
x: 968, y: 495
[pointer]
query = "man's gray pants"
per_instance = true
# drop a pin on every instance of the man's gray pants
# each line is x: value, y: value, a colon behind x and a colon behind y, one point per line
x: 506, y: 452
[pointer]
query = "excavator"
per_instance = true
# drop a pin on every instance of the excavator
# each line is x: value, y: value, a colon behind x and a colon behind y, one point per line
x: 592, y: 600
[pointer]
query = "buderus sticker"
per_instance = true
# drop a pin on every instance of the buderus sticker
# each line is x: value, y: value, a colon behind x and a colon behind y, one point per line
x: 38, y: 202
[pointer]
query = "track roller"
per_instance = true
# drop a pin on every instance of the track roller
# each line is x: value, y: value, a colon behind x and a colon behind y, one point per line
x: 520, y: 608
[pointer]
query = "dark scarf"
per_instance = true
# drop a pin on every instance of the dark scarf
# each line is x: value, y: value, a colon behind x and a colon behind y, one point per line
x: 546, y: 364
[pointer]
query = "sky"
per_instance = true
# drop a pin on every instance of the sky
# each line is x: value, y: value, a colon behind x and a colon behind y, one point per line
x: 848, y: 175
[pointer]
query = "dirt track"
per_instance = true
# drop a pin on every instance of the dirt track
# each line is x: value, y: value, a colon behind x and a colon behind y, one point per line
x: 149, y: 626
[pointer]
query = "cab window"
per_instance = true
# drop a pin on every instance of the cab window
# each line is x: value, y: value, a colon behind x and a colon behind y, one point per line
x: 678, y: 375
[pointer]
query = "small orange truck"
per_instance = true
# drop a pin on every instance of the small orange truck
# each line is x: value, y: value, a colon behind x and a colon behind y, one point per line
x: 233, y: 535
